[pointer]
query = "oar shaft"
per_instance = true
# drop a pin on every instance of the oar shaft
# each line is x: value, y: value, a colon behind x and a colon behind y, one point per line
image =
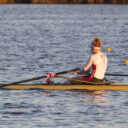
x: 108, y: 74
x: 22, y: 81
x: 37, y: 78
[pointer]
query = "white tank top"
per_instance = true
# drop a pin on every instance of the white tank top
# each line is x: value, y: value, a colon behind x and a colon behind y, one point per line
x: 100, y: 61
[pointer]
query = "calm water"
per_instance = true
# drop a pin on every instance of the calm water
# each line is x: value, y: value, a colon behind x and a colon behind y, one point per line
x: 37, y: 39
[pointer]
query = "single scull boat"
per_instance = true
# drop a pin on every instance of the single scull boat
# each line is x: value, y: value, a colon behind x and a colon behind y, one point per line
x: 91, y: 87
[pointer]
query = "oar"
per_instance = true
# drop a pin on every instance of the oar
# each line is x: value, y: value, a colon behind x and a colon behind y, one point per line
x: 108, y: 74
x: 81, y: 81
x: 37, y: 78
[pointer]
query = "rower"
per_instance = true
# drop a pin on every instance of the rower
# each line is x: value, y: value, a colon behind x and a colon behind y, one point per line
x: 97, y: 63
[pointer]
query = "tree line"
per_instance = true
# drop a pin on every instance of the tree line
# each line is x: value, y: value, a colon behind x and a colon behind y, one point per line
x: 65, y: 1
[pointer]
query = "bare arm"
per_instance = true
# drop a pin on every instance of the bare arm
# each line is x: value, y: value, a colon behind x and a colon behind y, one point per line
x: 87, y: 66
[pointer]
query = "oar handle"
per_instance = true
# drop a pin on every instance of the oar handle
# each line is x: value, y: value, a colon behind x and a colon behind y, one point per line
x: 37, y: 78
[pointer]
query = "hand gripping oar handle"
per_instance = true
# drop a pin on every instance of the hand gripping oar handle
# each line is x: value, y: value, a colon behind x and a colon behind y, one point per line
x: 37, y: 78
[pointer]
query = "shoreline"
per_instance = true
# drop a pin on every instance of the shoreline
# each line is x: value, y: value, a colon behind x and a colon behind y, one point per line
x: 63, y: 1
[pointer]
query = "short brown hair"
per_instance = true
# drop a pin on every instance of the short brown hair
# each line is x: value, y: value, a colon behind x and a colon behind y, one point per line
x: 97, y: 42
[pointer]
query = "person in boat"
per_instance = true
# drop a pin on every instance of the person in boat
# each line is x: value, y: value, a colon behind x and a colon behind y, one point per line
x: 97, y: 63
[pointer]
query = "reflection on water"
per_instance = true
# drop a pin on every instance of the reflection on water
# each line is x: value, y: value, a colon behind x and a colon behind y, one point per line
x: 98, y: 98
x: 52, y: 107
x: 89, y: 97
x: 95, y: 97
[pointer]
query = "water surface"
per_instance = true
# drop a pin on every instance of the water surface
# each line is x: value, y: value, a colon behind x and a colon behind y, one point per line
x: 37, y: 39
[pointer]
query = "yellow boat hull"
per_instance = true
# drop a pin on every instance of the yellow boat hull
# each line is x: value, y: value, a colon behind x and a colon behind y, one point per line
x: 91, y: 87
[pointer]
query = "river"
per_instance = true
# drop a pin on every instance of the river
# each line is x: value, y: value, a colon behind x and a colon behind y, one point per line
x: 38, y: 39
